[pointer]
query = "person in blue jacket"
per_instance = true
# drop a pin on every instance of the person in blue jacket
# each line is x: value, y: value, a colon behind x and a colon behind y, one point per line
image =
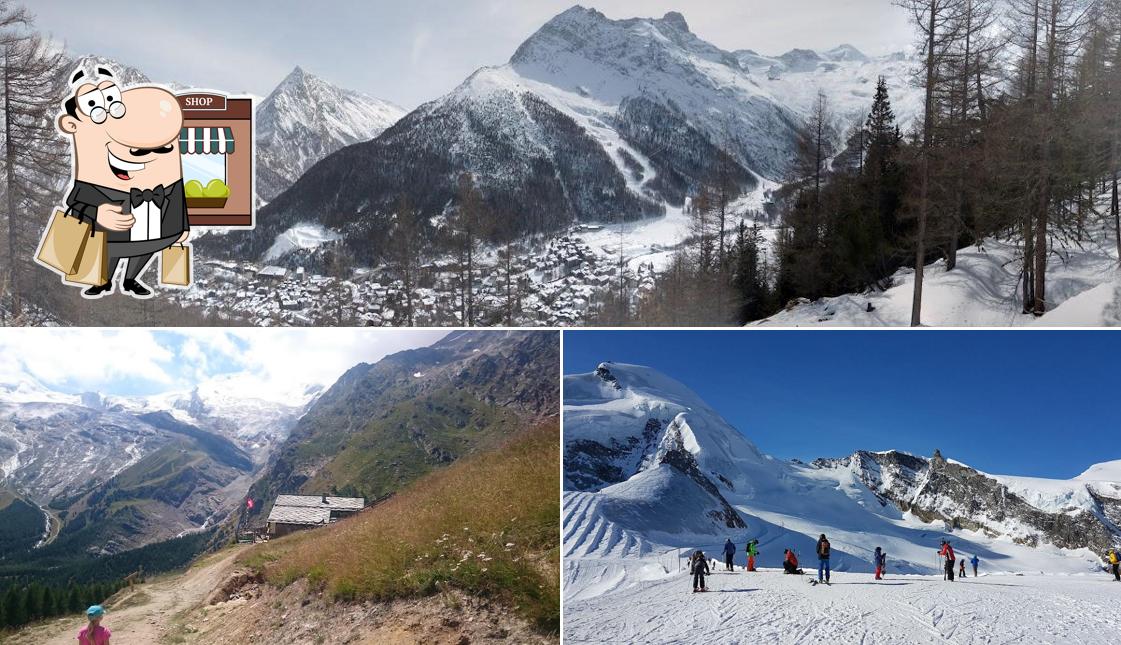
x: 879, y: 559
x: 974, y: 561
x: 729, y: 553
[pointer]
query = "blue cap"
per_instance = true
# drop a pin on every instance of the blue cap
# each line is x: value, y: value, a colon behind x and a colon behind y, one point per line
x: 95, y: 611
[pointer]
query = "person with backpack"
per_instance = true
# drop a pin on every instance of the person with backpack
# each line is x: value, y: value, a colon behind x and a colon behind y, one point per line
x: 729, y: 553
x: 1114, y: 563
x: 790, y: 563
x: 961, y: 570
x: 974, y: 561
x: 699, y: 567
x: 879, y: 558
x: 947, y: 552
x: 752, y: 551
x: 93, y: 633
x: 823, y: 559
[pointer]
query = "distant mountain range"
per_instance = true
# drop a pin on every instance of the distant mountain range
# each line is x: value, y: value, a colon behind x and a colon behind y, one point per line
x: 123, y: 472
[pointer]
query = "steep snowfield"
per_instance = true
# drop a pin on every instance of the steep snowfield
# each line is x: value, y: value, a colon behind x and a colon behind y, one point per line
x: 635, y: 504
x: 769, y: 607
x: 1083, y: 289
x: 301, y: 236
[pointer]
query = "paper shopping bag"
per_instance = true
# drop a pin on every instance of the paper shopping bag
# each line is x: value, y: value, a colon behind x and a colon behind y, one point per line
x: 93, y: 263
x: 175, y: 266
x: 62, y: 246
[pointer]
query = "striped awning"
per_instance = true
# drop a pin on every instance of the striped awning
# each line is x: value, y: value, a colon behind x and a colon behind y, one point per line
x: 206, y: 141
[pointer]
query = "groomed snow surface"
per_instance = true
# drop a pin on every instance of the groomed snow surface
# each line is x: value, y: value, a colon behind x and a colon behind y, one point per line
x: 770, y: 607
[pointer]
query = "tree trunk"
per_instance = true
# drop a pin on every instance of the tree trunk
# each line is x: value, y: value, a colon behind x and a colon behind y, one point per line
x: 924, y: 189
x: 10, y: 172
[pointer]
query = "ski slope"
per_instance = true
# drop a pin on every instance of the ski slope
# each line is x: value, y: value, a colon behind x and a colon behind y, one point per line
x: 770, y: 607
x: 653, y: 473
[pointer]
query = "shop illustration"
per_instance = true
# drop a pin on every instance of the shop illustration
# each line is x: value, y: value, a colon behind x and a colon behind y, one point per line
x: 215, y: 144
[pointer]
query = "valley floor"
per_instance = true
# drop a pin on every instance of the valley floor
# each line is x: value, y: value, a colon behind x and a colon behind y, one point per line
x: 770, y: 607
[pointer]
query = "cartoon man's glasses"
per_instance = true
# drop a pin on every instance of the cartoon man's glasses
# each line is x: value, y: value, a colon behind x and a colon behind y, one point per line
x: 100, y: 104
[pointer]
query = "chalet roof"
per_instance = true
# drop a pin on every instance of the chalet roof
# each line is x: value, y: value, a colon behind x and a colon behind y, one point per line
x: 298, y: 515
x: 316, y: 501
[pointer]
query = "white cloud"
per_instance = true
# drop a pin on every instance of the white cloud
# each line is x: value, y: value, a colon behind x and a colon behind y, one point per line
x: 272, y: 364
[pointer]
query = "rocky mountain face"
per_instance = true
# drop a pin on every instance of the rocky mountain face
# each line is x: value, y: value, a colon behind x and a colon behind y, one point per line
x: 938, y: 489
x: 304, y: 120
x: 382, y: 426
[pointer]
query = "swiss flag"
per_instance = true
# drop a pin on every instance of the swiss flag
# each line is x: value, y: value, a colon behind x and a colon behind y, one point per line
x: 249, y: 503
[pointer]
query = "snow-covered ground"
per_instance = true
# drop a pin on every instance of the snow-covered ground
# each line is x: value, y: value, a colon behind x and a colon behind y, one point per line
x: 300, y: 236
x: 769, y: 607
x: 1083, y: 289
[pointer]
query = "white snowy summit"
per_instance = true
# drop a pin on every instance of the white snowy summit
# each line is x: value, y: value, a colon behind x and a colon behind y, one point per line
x: 651, y: 469
x: 305, y: 119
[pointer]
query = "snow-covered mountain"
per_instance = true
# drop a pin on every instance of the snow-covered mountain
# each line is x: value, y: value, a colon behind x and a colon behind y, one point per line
x: 59, y: 441
x: 650, y: 467
x: 305, y: 119
x: 181, y: 460
x: 592, y: 119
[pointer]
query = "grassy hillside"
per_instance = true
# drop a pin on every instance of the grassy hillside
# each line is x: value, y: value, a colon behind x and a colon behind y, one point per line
x: 409, y: 441
x: 488, y: 525
x: 381, y: 426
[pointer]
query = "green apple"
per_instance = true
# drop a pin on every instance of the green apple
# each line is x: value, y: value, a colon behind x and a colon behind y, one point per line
x: 193, y: 188
x: 216, y: 188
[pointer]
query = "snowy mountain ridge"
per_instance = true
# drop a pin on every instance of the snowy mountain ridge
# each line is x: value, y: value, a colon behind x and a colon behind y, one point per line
x: 658, y: 465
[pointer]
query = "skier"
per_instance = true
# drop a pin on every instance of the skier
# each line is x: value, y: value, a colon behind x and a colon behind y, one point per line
x: 1114, y: 563
x: 752, y: 551
x: 823, y: 559
x: 699, y: 567
x: 974, y: 561
x: 961, y: 571
x: 879, y: 558
x: 948, y: 553
x: 729, y: 553
x: 790, y: 562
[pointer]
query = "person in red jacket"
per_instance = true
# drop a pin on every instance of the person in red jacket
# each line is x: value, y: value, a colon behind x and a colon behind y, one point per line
x: 790, y: 563
x: 947, y: 552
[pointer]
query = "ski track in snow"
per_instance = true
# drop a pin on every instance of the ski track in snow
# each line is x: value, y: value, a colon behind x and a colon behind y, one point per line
x: 769, y: 607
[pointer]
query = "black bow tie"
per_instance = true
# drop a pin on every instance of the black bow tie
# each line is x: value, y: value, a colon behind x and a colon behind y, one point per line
x: 155, y: 195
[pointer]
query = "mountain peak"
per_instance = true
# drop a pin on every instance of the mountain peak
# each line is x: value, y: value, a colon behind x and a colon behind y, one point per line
x: 677, y: 20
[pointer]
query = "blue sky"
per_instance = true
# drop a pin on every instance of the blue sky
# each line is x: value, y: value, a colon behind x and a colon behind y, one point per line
x: 411, y: 52
x: 1007, y: 402
x: 271, y: 364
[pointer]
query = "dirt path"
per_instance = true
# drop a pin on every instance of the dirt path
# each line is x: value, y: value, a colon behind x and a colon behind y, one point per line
x: 144, y: 613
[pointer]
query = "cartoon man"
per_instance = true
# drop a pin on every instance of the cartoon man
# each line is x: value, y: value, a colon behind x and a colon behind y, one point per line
x: 128, y: 177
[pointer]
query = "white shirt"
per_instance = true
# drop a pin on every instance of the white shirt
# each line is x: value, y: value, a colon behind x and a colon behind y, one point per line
x: 148, y: 223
